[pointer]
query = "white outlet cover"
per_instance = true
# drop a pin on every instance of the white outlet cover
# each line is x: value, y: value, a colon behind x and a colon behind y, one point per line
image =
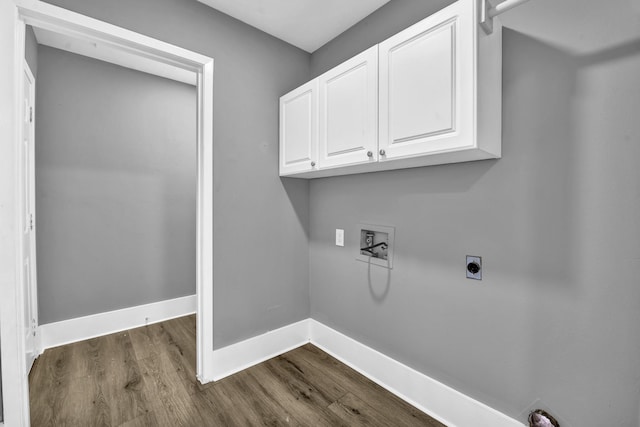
x: 339, y: 237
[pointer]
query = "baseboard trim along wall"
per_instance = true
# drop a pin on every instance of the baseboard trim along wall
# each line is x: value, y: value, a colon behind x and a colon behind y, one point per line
x: 95, y: 325
x: 443, y: 403
x: 430, y: 396
x: 237, y: 357
x: 440, y: 401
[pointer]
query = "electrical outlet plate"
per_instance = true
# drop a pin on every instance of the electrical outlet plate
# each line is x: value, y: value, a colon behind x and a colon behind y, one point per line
x: 339, y: 237
x: 473, y: 267
x: 376, y: 234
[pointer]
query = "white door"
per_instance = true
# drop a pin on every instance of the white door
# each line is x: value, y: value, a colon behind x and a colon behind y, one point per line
x: 299, y: 129
x: 427, y: 85
x: 27, y: 223
x: 349, y: 112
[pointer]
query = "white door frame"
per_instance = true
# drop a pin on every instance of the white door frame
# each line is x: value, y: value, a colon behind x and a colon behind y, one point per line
x: 32, y: 302
x: 126, y: 44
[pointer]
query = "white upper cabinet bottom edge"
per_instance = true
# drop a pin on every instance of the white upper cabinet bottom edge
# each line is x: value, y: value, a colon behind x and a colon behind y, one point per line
x: 451, y: 157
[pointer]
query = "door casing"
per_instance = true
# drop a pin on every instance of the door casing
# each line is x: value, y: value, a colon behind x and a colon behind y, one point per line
x: 29, y: 275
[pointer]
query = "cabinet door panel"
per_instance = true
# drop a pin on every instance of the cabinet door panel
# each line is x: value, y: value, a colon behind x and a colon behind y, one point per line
x: 298, y: 129
x: 426, y: 85
x: 345, y: 112
x: 348, y: 111
x: 422, y: 90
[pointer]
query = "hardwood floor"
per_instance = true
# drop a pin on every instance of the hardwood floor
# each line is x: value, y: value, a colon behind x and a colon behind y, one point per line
x: 146, y: 377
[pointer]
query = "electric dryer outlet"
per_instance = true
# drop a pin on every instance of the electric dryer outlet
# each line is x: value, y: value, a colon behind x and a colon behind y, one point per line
x: 474, y: 267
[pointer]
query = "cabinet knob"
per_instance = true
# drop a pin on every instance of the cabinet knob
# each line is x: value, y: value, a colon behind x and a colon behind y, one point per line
x: 369, y: 154
x: 313, y: 164
x: 382, y: 152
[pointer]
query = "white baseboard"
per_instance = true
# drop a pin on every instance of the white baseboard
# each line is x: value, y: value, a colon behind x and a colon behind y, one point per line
x: 237, y: 357
x: 443, y: 403
x: 95, y: 325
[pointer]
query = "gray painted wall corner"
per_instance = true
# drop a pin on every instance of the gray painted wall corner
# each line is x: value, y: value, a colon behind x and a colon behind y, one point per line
x: 553, y: 318
x: 115, y: 187
x: 255, y: 212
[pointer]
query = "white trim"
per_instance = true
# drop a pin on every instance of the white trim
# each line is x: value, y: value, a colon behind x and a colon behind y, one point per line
x: 53, y: 18
x: 237, y: 357
x: 95, y: 325
x: 107, y: 54
x: 204, y: 225
x: 430, y: 396
x: 15, y: 391
x: 438, y: 400
x: 33, y: 271
x: 14, y: 15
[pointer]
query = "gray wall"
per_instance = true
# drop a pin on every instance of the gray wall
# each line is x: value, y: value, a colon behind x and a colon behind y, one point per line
x: 115, y: 186
x: 256, y: 214
x: 555, y: 220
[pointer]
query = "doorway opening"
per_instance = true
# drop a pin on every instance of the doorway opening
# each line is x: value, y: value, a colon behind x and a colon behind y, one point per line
x: 142, y: 53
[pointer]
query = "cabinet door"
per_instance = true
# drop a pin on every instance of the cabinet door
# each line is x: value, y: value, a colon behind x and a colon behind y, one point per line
x: 349, y: 112
x: 427, y: 85
x: 299, y: 129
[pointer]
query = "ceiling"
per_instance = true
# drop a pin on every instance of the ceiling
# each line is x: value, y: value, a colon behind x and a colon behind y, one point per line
x: 577, y: 26
x: 307, y: 24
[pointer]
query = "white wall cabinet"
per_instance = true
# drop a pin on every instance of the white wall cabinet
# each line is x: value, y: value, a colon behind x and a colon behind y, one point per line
x: 436, y: 99
x: 426, y: 86
x: 348, y: 131
x: 299, y: 130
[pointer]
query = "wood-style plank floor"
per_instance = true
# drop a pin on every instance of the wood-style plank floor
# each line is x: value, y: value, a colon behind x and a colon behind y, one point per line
x: 146, y: 377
